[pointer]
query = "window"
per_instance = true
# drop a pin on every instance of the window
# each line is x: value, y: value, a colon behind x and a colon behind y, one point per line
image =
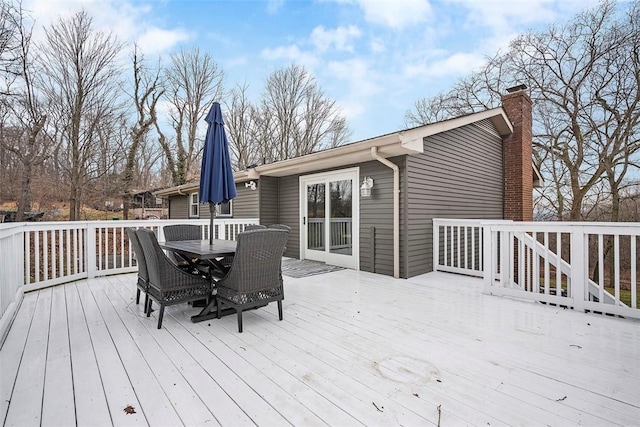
x: 194, y: 207
x: 223, y: 209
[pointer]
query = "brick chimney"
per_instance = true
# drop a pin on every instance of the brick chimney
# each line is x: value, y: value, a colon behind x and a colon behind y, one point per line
x: 517, y: 156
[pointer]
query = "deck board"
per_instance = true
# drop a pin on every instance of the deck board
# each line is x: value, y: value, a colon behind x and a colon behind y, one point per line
x: 91, y: 404
x: 353, y: 349
x: 25, y: 407
x: 58, y: 403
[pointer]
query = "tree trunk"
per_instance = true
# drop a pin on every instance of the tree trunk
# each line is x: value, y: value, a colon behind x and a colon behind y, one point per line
x: 24, y: 203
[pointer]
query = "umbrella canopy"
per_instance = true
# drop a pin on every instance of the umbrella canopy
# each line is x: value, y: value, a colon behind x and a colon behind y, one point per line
x: 216, y: 175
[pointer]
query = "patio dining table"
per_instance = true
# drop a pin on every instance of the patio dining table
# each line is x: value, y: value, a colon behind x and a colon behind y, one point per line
x: 210, y: 252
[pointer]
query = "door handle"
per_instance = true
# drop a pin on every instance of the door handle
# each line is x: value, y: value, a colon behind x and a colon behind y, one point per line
x: 304, y: 220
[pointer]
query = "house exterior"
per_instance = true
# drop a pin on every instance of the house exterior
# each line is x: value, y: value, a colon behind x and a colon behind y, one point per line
x: 475, y: 166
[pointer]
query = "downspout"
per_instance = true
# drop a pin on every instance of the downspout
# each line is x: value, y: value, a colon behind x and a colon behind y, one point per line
x: 396, y: 209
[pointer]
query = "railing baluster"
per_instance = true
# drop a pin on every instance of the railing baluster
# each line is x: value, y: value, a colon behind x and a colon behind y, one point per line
x: 37, y: 255
x: 54, y: 243
x: 45, y: 254
x: 634, y: 276
x: 27, y: 251
x: 69, y: 266
x: 559, y: 264
x: 521, y: 256
x: 600, y: 269
x: 547, y: 270
x: 122, y: 237
x: 473, y: 248
x: 458, y: 246
x: 445, y: 243
x: 616, y: 267
x: 535, y: 264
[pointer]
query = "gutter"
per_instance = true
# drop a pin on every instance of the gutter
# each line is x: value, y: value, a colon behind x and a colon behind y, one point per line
x: 396, y: 209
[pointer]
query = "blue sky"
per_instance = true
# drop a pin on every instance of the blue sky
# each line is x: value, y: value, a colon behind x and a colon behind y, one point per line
x: 374, y: 57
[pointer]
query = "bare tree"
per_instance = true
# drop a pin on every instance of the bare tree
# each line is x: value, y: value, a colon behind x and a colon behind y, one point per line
x: 147, y: 90
x: 10, y: 21
x: 240, y: 125
x: 583, y: 77
x: 194, y: 81
x: 303, y: 120
x: 81, y: 79
x: 293, y: 118
x: 25, y: 108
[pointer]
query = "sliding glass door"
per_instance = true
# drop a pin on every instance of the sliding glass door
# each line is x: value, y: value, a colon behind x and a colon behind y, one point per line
x: 330, y: 217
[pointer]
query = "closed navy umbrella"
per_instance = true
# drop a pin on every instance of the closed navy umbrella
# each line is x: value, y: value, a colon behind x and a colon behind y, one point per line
x: 216, y: 176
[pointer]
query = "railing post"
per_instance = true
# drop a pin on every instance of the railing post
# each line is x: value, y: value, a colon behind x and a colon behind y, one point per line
x: 488, y: 257
x: 578, y: 267
x: 90, y: 254
x: 436, y: 244
x: 221, y: 225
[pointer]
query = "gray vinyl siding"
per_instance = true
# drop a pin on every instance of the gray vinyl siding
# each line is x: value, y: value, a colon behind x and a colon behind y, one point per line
x: 459, y: 175
x: 269, y: 196
x: 289, y: 212
x: 246, y: 205
x: 179, y: 207
x: 376, y: 218
x: 376, y: 215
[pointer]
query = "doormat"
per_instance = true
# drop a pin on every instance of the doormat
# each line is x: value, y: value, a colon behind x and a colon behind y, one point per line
x: 304, y: 268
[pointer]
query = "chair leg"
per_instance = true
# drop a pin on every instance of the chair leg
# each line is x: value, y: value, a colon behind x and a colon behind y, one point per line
x: 160, y: 315
x: 280, y: 309
x: 137, y: 296
x: 146, y: 302
x: 149, y: 307
x: 239, y: 311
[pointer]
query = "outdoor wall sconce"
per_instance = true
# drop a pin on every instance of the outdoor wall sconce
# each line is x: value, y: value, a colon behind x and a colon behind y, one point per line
x: 365, y: 188
x: 250, y: 184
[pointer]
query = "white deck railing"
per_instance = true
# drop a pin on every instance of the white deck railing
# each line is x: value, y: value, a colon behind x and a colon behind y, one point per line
x: 40, y: 254
x: 586, y: 266
x: 457, y: 246
x: 339, y: 229
x: 11, y: 273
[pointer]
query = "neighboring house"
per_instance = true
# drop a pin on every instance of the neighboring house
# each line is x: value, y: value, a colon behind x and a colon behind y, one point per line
x: 476, y: 166
x: 145, y: 205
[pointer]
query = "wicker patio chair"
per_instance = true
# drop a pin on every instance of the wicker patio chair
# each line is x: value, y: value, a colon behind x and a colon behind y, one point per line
x: 143, y: 276
x: 281, y: 227
x: 181, y: 232
x: 255, y: 278
x: 168, y: 284
x: 254, y: 227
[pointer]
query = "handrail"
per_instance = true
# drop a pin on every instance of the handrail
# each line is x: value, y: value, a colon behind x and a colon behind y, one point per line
x: 546, y: 261
x: 11, y: 274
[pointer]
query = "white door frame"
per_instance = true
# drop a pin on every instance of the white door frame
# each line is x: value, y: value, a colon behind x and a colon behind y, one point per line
x: 349, y: 261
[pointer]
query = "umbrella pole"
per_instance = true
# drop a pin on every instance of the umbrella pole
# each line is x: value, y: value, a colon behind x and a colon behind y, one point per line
x: 212, y: 214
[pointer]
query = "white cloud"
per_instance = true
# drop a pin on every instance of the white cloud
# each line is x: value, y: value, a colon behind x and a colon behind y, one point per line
x: 396, y: 14
x: 124, y: 19
x: 517, y: 16
x: 156, y: 40
x: 290, y: 53
x: 377, y: 45
x: 457, y: 64
x: 340, y: 38
x: 274, y: 5
x: 360, y: 85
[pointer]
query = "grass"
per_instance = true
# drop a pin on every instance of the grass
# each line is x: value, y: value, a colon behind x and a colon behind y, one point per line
x: 625, y: 296
x: 61, y: 213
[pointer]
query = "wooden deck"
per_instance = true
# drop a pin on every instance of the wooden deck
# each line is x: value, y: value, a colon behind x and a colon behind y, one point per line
x: 353, y: 349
